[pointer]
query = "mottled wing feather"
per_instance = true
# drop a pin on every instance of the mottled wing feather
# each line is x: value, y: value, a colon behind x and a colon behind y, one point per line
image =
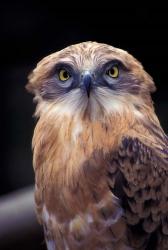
x: 138, y: 175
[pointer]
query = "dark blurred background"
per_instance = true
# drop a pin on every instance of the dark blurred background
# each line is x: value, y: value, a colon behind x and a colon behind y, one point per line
x: 32, y: 30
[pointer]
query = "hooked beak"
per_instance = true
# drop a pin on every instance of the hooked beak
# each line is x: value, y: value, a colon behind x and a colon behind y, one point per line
x: 87, y: 82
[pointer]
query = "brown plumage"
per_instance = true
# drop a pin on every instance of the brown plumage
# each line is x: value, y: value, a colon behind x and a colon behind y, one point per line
x: 100, y: 154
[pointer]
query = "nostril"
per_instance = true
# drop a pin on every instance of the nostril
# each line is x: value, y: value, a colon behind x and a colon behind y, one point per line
x: 85, y: 73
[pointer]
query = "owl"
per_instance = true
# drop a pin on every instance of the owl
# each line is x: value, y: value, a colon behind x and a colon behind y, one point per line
x: 100, y: 155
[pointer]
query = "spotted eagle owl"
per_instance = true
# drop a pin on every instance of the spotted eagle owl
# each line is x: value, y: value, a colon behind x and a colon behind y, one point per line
x: 100, y: 155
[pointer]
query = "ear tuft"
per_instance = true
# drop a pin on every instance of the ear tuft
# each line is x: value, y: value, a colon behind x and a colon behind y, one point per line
x: 150, y: 83
x: 30, y: 86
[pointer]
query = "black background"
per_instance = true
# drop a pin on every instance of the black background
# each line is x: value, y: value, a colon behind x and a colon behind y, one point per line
x: 32, y: 30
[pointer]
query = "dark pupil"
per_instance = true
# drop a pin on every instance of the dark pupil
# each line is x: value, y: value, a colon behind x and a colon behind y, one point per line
x: 65, y: 74
x: 111, y: 71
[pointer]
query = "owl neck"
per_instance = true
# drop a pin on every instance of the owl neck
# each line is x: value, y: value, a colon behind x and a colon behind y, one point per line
x: 63, y: 142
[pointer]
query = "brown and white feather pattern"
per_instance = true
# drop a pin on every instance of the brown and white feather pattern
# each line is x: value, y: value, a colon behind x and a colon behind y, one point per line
x: 101, y: 163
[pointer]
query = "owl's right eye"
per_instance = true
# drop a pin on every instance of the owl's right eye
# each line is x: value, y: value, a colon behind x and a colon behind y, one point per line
x: 63, y: 75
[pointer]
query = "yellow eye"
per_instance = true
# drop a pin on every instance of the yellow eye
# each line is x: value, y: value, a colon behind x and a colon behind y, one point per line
x: 113, y: 72
x: 64, y: 75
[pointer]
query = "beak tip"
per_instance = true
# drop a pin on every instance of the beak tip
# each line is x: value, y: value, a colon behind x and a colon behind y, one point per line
x: 88, y: 94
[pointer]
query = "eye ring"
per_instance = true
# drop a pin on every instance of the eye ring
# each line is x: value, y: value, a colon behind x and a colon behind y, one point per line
x: 113, y: 72
x: 63, y: 75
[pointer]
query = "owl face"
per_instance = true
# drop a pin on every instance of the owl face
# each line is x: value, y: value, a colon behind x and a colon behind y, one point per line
x: 91, y: 78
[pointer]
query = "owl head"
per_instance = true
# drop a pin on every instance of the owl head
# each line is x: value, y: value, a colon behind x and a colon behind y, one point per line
x: 90, y: 79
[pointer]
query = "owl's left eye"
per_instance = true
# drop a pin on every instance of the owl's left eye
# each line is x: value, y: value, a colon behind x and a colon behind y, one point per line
x: 113, y: 72
x: 64, y: 75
